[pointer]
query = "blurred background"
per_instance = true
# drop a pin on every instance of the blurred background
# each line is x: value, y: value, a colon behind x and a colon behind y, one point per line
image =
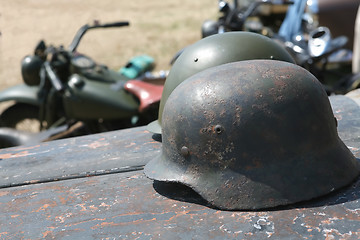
x: 157, y: 28
x: 311, y: 32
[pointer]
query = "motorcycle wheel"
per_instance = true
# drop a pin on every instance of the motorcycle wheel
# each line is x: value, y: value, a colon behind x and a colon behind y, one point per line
x: 21, y: 116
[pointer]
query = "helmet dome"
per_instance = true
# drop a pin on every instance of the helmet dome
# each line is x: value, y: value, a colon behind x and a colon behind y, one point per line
x: 216, y: 50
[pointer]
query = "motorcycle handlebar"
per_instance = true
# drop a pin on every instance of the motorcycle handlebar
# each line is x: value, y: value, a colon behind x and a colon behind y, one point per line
x: 116, y: 24
x: 80, y: 33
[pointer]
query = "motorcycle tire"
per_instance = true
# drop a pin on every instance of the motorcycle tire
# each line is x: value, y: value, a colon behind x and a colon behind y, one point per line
x: 21, y: 116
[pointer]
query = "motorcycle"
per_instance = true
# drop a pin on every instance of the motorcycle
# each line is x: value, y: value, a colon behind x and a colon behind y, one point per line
x: 63, y: 87
x: 326, y: 58
x: 255, y: 16
x: 312, y: 46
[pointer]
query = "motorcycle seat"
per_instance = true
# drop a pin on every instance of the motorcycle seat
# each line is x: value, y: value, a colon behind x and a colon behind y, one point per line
x: 147, y: 93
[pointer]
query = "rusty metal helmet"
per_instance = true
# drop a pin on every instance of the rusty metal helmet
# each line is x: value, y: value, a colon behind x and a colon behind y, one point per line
x: 252, y: 135
x: 216, y: 50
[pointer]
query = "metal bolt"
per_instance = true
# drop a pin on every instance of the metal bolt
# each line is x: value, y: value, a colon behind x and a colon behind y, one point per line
x: 184, y: 151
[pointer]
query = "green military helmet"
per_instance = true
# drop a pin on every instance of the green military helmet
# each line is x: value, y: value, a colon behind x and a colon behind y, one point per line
x: 216, y: 50
x: 30, y: 70
x: 252, y: 135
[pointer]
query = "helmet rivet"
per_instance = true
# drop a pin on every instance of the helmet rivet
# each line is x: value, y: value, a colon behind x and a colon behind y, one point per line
x: 196, y: 59
x: 218, y: 129
x: 184, y: 151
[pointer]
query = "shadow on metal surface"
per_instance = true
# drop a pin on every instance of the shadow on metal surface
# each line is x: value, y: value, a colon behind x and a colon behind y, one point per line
x: 346, y: 194
x: 183, y: 193
x: 157, y: 137
x: 179, y: 192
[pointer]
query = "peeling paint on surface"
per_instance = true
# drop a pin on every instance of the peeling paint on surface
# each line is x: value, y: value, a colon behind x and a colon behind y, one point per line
x: 128, y: 205
x: 66, y: 159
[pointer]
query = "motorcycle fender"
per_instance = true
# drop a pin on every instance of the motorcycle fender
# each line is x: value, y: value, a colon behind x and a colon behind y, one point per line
x: 21, y: 93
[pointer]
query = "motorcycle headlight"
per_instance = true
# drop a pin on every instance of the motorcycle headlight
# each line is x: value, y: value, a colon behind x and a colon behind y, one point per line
x: 30, y: 70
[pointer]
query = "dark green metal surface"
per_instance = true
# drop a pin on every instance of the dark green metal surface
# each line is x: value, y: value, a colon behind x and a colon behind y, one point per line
x: 216, y: 50
x: 86, y: 99
x: 21, y: 93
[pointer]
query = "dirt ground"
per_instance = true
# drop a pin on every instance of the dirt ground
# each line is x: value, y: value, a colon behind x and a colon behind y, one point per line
x: 157, y: 28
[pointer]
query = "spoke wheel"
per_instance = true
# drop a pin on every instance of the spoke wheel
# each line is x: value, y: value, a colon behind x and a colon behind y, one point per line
x: 21, y: 116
